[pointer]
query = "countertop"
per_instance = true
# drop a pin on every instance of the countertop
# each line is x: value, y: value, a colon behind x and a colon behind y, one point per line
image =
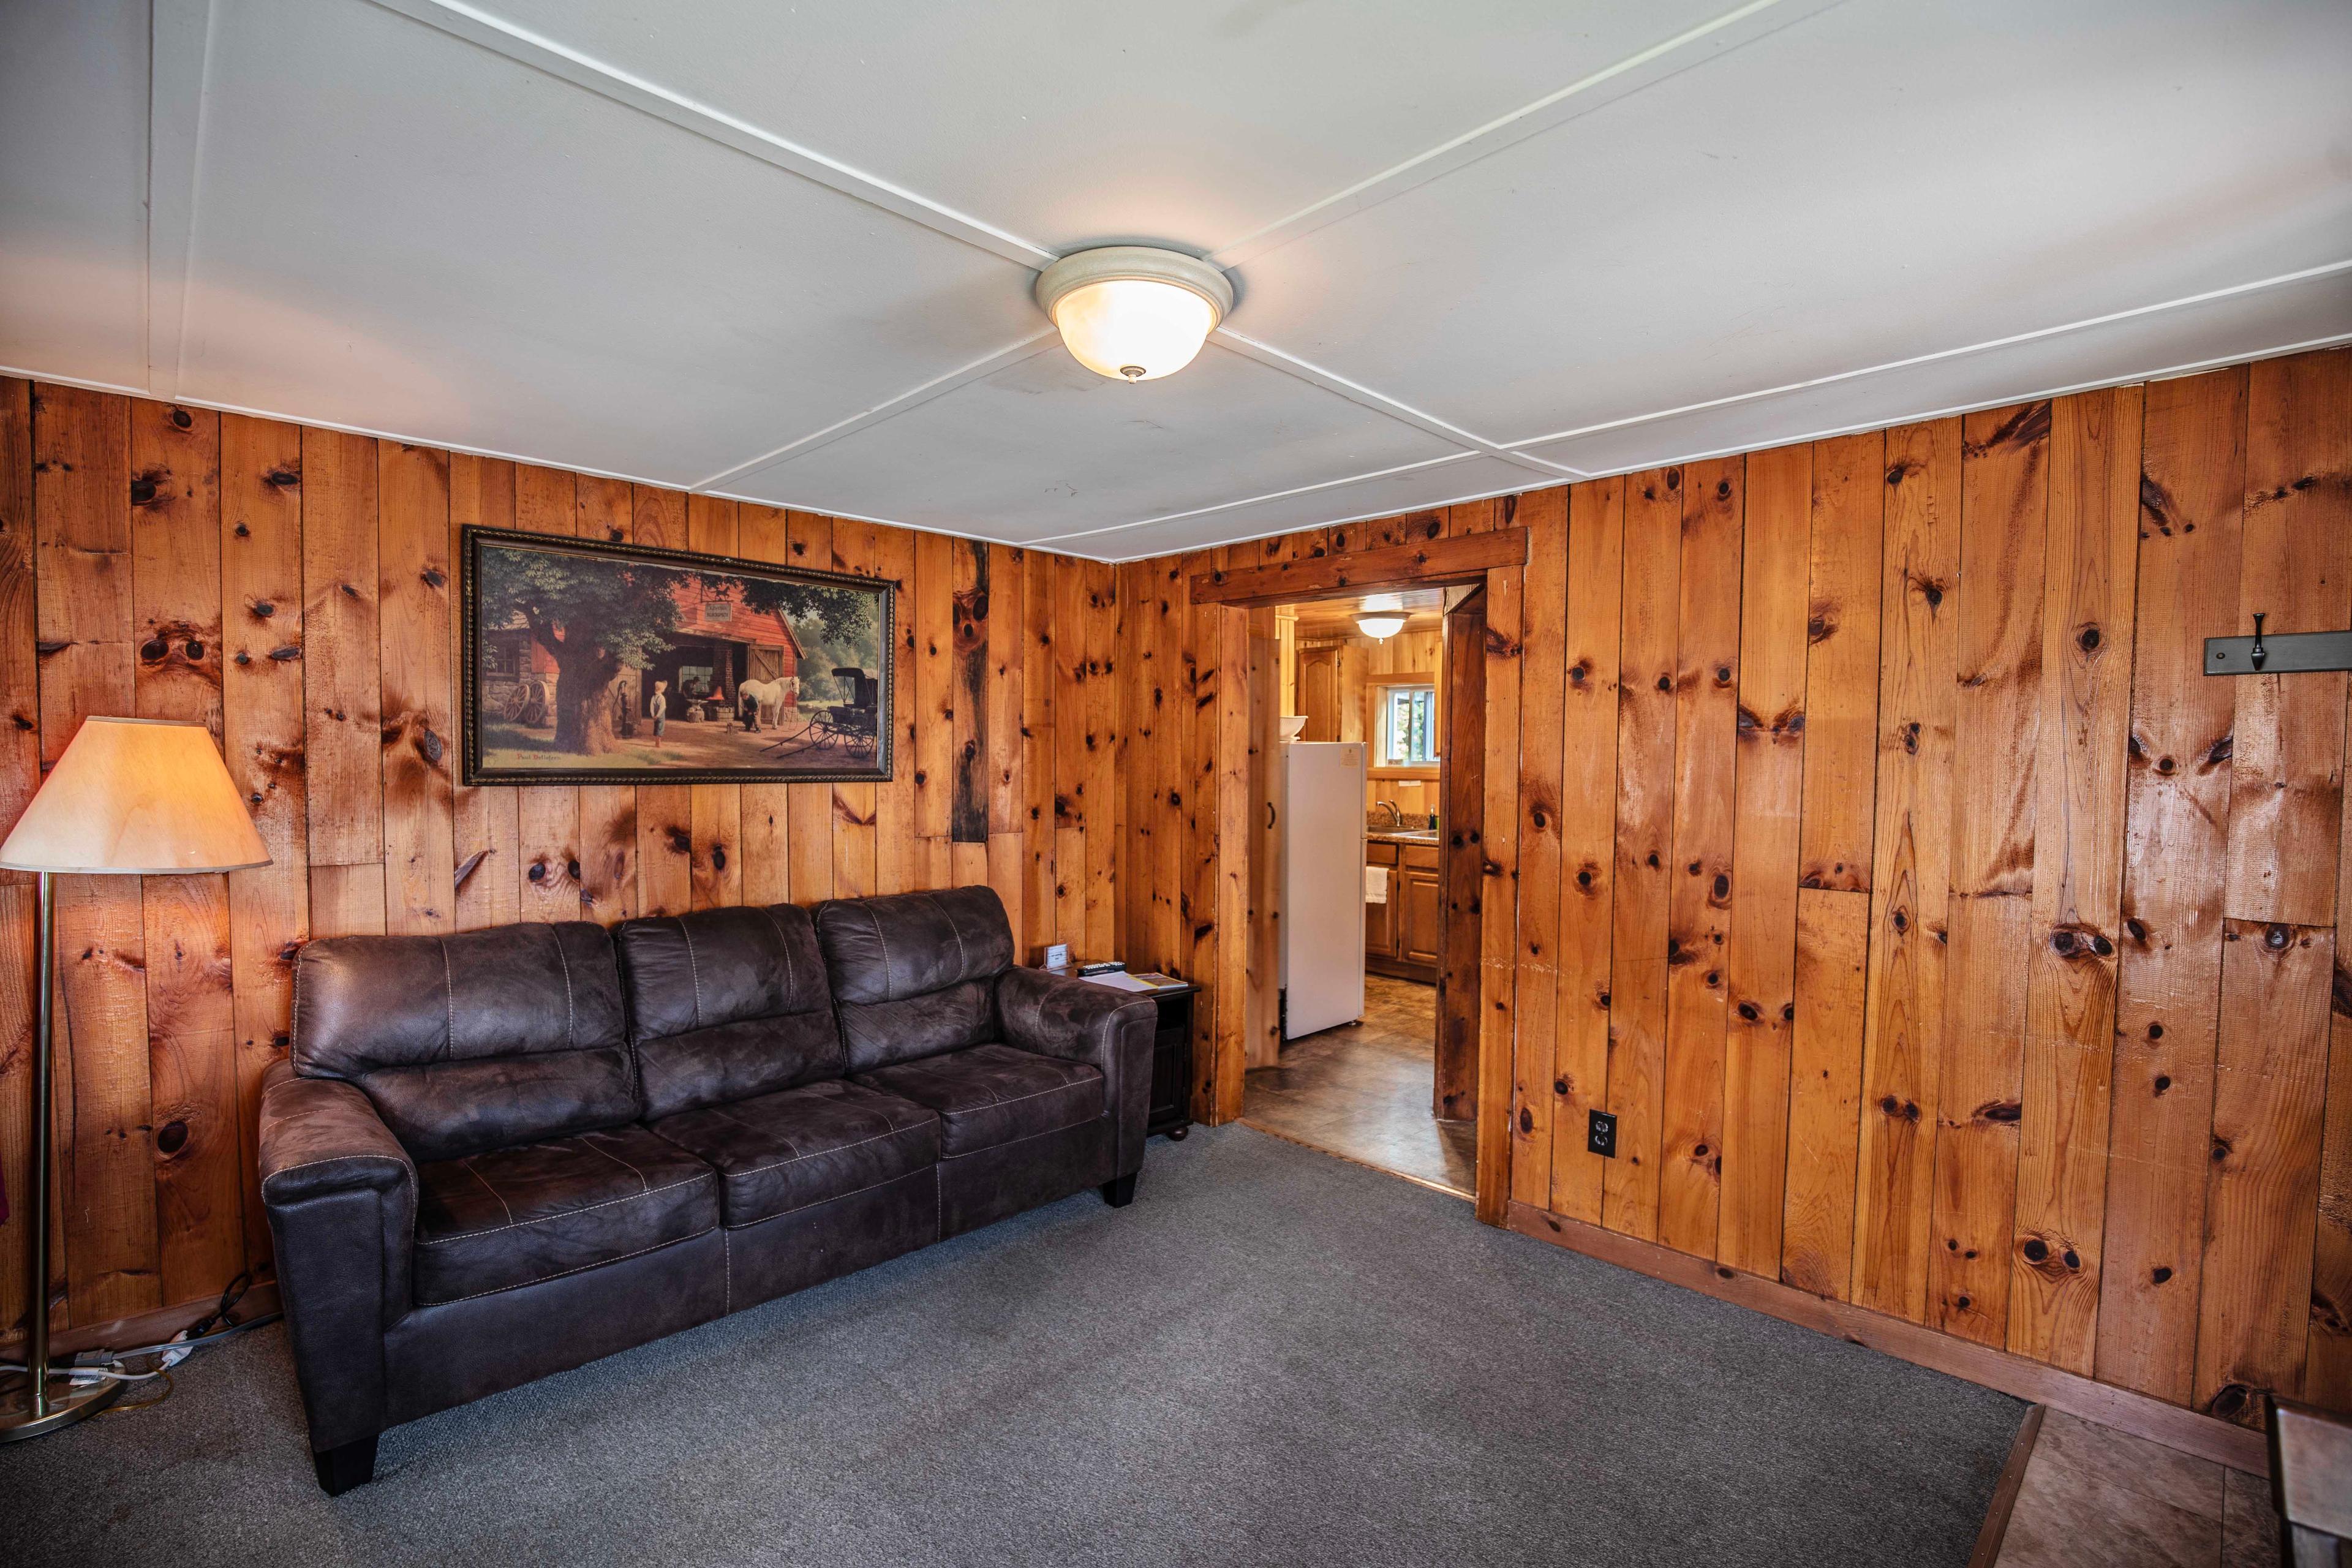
x: 1400, y: 835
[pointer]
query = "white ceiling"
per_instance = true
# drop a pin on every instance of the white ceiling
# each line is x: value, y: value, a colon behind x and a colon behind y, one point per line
x: 785, y: 254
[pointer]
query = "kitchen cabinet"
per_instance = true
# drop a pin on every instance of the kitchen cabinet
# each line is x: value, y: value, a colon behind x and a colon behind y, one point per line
x: 1380, y: 928
x: 1401, y: 936
x: 1318, y: 693
x: 1417, y: 930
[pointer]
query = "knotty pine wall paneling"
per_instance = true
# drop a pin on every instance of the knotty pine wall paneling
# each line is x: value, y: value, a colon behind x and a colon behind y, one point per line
x: 191, y: 1026
x: 1839, y: 714
x: 1759, y: 956
x: 2004, y: 490
x: 299, y: 591
x: 1947, y: 943
x: 1644, y: 850
x: 1699, y: 890
x: 1542, y: 679
x: 1589, y: 656
x: 2040, y: 926
x: 2177, y: 814
x: 2088, y: 614
x: 262, y: 726
x: 1910, y: 867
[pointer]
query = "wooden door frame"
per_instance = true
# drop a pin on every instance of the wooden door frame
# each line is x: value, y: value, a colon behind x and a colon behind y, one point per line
x: 1462, y: 810
x: 1495, y: 561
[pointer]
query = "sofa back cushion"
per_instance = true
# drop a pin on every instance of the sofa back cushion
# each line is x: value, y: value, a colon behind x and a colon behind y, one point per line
x: 727, y: 1003
x: 915, y: 974
x: 474, y: 1041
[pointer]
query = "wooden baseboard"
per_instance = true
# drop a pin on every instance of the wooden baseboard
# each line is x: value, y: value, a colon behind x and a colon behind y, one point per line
x: 148, y: 1327
x: 2137, y: 1413
x: 2004, y: 1492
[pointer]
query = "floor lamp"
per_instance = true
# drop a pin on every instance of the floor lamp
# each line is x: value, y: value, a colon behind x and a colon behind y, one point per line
x: 130, y: 797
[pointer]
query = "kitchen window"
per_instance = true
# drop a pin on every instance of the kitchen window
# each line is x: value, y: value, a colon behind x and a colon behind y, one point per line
x: 1407, y: 718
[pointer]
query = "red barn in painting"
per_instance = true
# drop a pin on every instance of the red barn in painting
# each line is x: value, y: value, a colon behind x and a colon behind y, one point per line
x: 719, y: 644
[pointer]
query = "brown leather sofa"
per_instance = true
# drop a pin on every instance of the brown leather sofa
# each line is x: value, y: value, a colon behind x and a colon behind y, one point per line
x: 499, y: 1154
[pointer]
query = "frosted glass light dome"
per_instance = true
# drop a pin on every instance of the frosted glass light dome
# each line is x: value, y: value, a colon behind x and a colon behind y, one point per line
x: 1133, y: 313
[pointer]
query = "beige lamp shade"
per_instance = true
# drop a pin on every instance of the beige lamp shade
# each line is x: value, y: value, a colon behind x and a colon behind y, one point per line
x: 144, y: 796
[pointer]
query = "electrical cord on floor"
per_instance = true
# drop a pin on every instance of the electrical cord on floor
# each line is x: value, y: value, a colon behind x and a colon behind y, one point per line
x: 111, y: 1365
x: 91, y: 1373
x: 132, y: 1409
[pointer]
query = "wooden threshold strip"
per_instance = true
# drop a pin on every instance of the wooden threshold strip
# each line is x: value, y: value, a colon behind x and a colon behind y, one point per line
x: 1439, y: 1187
x: 2004, y: 1492
x: 2125, y: 1411
x: 1463, y: 559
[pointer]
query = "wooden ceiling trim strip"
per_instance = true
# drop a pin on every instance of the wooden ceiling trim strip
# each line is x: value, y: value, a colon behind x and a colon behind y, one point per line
x: 1463, y: 559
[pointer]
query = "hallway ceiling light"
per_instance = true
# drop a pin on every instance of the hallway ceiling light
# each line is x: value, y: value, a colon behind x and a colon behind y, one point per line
x: 1380, y: 629
x: 1134, y: 312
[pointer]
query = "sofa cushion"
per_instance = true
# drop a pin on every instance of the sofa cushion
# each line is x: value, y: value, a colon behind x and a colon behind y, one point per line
x: 915, y: 974
x: 992, y: 1094
x: 780, y: 1152
x: 725, y: 1005
x: 513, y: 1216
x: 473, y: 1041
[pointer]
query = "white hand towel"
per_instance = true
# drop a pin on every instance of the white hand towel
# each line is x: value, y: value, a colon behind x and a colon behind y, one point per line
x: 1376, y: 884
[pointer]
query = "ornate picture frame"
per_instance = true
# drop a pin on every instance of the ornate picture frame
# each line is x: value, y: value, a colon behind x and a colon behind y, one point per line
x: 700, y: 669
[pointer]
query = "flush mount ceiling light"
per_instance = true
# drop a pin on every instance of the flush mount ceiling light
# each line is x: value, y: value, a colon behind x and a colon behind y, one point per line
x: 1134, y: 312
x: 1381, y: 616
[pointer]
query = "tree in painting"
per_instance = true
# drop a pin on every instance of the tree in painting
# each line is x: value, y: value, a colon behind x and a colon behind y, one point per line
x: 597, y: 617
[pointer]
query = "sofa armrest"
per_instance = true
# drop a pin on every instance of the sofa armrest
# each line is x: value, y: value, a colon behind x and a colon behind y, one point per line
x: 1059, y: 1015
x: 340, y: 1194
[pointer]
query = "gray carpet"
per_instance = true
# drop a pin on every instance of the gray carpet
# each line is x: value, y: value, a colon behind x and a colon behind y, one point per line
x: 1273, y: 1357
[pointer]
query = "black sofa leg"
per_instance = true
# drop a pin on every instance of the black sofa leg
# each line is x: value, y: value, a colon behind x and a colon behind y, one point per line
x: 341, y: 1468
x: 1119, y: 1190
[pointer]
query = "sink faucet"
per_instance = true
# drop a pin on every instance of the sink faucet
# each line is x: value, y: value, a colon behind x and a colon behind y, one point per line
x: 1395, y: 814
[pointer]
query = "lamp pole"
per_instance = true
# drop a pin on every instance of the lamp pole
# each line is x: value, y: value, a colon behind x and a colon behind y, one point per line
x: 37, y: 1413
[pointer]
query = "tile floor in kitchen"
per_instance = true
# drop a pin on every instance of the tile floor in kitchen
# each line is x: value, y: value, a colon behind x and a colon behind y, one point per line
x: 2097, y: 1498
x: 1362, y: 1092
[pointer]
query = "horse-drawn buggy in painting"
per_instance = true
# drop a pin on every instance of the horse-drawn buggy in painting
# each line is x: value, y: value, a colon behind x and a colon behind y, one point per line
x: 850, y: 727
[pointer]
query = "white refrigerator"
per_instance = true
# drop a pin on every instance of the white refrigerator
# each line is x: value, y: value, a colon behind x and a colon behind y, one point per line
x: 1319, y: 817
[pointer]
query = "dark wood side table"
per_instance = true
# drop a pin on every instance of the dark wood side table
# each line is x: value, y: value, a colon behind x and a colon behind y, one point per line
x: 1172, y: 1064
x: 1171, y: 1108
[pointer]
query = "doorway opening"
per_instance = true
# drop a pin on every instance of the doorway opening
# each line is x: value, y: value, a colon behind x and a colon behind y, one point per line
x: 1370, y: 860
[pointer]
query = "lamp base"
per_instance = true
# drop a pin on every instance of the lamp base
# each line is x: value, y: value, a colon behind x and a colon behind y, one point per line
x: 67, y: 1402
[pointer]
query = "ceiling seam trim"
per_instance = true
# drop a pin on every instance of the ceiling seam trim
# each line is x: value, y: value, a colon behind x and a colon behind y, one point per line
x: 1329, y: 522
x: 890, y: 408
x: 1046, y: 339
x: 840, y: 516
x: 1265, y: 353
x: 501, y: 37
x: 2067, y: 389
x: 1597, y: 90
x: 179, y: 44
x: 1271, y: 495
x: 1988, y: 345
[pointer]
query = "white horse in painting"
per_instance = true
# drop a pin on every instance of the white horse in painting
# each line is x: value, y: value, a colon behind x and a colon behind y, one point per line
x: 769, y: 694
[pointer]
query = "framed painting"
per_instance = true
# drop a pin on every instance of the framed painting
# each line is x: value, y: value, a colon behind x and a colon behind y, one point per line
x: 588, y: 662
